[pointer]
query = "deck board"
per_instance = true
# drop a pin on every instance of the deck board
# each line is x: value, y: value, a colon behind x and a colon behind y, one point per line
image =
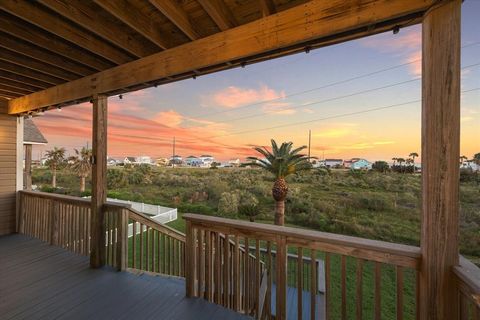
x: 39, y: 281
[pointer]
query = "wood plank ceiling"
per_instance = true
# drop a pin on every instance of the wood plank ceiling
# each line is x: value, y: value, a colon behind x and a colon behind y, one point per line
x: 49, y: 42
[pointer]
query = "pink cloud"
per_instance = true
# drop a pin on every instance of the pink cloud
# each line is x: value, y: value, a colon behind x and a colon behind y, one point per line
x: 233, y: 97
x: 170, y: 118
x: 407, y: 44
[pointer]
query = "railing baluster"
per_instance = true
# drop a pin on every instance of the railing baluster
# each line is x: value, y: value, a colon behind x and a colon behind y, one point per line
x: 378, y: 293
x: 226, y: 272
x: 208, y: 266
x: 344, y: 286
x: 299, y: 282
x: 313, y: 283
x: 281, y: 265
x: 257, y: 279
x: 269, y: 280
x: 327, y: 286
x: 141, y: 246
x: 218, y: 269
x: 246, y: 277
x: 236, y: 274
x: 201, y: 262
x: 359, y: 289
x: 399, y: 279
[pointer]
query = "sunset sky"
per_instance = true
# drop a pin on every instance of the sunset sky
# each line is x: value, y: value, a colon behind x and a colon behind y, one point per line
x: 329, y: 90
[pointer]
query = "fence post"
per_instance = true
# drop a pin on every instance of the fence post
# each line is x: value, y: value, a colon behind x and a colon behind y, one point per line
x: 122, y: 240
x: 281, y: 277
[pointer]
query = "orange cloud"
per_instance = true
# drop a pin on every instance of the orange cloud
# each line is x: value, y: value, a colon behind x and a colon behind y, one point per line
x: 234, y: 97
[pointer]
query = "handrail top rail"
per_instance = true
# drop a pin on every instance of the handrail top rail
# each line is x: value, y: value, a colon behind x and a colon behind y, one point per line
x: 310, y: 235
x: 55, y: 196
x: 145, y: 219
x: 469, y: 274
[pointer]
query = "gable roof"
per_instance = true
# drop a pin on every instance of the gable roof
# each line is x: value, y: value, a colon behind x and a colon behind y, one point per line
x: 31, y: 134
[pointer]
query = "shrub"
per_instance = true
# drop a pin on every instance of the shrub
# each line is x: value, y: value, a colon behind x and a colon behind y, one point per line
x: 228, y: 204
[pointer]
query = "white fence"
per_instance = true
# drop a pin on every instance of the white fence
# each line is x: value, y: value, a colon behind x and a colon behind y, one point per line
x: 157, y: 213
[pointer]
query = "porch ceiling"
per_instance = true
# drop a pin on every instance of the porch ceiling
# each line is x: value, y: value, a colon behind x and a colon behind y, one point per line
x: 59, y: 52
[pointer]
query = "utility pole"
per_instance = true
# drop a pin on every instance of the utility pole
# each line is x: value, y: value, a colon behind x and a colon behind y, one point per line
x: 309, y: 142
x: 173, y: 155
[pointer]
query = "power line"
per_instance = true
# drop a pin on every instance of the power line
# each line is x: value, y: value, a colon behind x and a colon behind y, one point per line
x: 331, y: 117
x: 361, y: 76
x: 324, y: 100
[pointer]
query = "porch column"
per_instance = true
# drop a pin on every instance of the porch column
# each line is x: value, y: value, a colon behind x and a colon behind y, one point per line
x: 99, y: 181
x: 28, y: 167
x: 440, y: 154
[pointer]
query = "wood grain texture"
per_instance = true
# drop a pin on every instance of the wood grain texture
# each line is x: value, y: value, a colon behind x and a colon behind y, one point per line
x: 220, y: 13
x: 8, y: 130
x: 317, y: 21
x: 99, y: 180
x: 175, y: 13
x: 440, y: 154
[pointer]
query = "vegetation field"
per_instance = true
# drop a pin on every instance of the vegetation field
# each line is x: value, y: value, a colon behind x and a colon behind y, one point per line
x: 382, y: 206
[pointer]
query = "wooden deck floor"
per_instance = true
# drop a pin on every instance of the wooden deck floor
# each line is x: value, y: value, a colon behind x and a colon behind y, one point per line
x: 39, y: 281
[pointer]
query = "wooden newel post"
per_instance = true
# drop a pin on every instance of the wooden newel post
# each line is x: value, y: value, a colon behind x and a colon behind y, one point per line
x: 122, y: 239
x: 99, y: 181
x: 28, y: 167
x: 440, y: 164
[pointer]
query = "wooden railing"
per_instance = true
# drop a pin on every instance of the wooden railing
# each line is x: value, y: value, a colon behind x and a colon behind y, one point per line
x: 149, y: 245
x: 468, y: 282
x: 62, y: 221
x: 362, y: 278
x: 65, y: 221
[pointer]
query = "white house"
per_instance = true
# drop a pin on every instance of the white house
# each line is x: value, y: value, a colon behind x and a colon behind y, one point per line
x: 470, y: 164
x: 206, y: 160
x: 357, y: 164
x: 193, y: 161
x: 175, y: 159
x: 234, y: 162
x: 333, y: 163
x: 143, y: 160
x: 129, y: 160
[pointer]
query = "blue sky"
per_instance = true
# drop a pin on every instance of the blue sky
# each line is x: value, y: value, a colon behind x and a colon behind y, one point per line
x: 204, y: 113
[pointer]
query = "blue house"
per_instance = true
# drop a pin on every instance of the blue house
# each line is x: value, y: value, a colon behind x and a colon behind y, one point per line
x: 357, y: 164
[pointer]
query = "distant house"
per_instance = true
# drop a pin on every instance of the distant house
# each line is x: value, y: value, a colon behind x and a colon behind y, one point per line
x: 333, y: 163
x: 111, y: 162
x: 31, y: 136
x: 161, y: 162
x: 234, y: 162
x: 143, y: 160
x: 357, y: 164
x: 175, y: 159
x: 129, y: 160
x: 207, y: 160
x: 193, y: 161
x: 470, y: 164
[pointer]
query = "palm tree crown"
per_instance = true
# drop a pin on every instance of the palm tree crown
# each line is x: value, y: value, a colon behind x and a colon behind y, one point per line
x: 55, y: 157
x: 81, y: 163
x: 282, y: 161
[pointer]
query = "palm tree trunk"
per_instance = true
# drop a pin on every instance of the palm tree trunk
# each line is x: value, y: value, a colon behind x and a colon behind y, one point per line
x: 82, y: 184
x: 54, y: 178
x: 280, y: 213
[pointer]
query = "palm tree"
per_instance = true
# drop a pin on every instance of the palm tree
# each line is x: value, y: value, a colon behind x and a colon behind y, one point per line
x: 413, y: 155
x: 281, y: 162
x: 476, y: 158
x: 55, y: 158
x: 400, y: 162
x: 394, y: 161
x: 81, y: 164
x: 462, y: 159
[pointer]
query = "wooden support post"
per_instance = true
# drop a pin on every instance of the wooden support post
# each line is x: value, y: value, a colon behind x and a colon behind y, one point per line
x: 122, y: 240
x: 99, y: 181
x: 440, y: 166
x: 28, y: 167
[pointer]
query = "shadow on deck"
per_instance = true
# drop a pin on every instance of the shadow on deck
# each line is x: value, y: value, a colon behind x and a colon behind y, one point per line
x: 39, y: 281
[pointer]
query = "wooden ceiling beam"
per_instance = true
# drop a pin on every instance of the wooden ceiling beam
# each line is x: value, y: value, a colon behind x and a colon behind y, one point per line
x: 40, y: 85
x: 26, y: 72
x: 28, y: 62
x: 18, y: 91
x: 85, y: 64
x: 176, y: 14
x: 267, y: 7
x: 129, y: 14
x: 327, y: 22
x: 33, y: 13
x: 9, y: 94
x: 9, y: 85
x: 220, y: 13
x: 83, y: 13
x: 7, y: 80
